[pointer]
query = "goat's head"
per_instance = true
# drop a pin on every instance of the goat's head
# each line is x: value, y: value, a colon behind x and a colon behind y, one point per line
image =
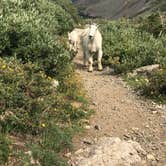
x: 92, y: 31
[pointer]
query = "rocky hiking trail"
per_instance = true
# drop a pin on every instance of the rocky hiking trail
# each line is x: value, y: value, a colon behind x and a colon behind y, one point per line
x: 120, y: 117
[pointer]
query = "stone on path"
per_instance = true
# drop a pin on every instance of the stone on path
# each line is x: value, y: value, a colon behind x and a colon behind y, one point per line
x: 145, y: 69
x: 110, y: 151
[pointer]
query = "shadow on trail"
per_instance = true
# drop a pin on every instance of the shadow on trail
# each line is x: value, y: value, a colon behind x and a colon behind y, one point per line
x: 79, y: 65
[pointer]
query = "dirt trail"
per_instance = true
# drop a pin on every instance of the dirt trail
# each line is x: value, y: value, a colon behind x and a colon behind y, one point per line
x: 121, y: 113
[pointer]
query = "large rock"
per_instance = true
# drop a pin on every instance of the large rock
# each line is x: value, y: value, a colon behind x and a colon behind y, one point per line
x: 145, y: 69
x: 110, y: 151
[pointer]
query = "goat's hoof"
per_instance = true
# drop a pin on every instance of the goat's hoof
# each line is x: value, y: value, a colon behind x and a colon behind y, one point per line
x: 90, y: 70
x: 100, y: 68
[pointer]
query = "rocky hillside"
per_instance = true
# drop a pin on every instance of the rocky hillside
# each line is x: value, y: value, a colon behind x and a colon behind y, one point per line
x: 115, y: 9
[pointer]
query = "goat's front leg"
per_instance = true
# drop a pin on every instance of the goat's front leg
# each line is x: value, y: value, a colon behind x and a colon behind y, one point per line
x: 90, y: 69
x: 100, y: 54
x: 70, y: 46
x: 75, y: 46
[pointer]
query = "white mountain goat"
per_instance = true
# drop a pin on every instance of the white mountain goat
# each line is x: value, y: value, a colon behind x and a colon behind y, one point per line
x: 74, y: 38
x: 92, y: 43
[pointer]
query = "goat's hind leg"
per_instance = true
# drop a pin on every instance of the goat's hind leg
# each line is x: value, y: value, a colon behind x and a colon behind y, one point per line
x: 85, y: 59
x: 90, y: 69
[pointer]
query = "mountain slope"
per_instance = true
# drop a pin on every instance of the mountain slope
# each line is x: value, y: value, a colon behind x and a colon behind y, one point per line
x: 115, y: 9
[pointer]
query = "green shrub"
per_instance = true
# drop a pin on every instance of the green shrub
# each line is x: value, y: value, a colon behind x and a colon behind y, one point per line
x: 68, y: 7
x: 162, y: 55
x: 28, y: 97
x: 29, y: 104
x: 33, y: 50
x: 53, y: 141
x: 137, y: 82
x: 129, y: 44
x: 71, y: 84
x: 30, y: 31
x: 48, y: 158
x: 157, y: 83
x: 152, y: 85
x: 40, y: 12
x: 153, y: 24
x: 24, y: 93
x: 126, y: 47
x: 4, y: 149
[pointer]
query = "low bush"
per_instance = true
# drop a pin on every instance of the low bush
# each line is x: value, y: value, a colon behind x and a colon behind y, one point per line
x: 152, y: 85
x: 70, y: 83
x: 154, y: 24
x: 28, y: 98
x: 157, y: 83
x: 30, y: 104
x: 4, y: 149
x: 24, y: 92
x: 30, y: 31
x: 129, y: 44
x: 53, y: 141
x: 127, y: 47
x: 68, y: 6
x: 33, y: 52
x: 162, y: 55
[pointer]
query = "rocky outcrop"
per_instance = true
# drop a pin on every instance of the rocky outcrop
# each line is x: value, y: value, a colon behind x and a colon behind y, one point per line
x: 145, y: 69
x: 109, y: 151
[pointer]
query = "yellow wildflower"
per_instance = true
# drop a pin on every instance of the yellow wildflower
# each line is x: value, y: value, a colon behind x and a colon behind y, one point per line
x: 3, y: 66
x: 10, y: 69
x: 49, y: 78
x: 43, y: 125
x: 43, y: 75
x: 146, y: 80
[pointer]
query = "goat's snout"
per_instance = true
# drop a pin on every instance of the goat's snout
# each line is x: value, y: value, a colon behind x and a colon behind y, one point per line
x: 90, y: 37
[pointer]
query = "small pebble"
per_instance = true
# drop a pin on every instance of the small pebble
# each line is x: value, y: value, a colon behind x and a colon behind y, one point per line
x: 150, y: 157
x: 79, y: 151
x: 88, y: 142
x: 67, y: 155
x: 154, y: 112
x: 87, y: 127
x: 96, y: 127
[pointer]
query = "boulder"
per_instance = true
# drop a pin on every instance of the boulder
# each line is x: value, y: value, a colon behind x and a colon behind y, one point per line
x: 110, y: 151
x: 145, y: 69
